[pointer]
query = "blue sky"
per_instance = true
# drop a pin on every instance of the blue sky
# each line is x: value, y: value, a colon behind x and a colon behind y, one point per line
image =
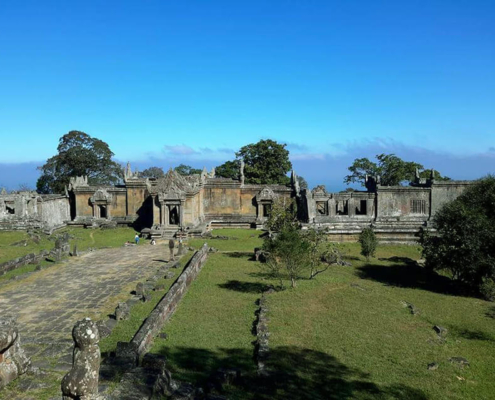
x: 167, y: 82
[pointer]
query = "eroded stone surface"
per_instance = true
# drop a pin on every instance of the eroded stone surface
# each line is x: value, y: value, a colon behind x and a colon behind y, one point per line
x: 13, y: 360
x: 82, y: 380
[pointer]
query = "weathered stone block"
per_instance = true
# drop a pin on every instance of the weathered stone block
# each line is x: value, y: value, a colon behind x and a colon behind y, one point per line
x: 82, y: 380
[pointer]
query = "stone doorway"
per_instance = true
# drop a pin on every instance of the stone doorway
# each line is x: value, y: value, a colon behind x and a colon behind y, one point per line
x: 103, y: 211
x: 173, y: 215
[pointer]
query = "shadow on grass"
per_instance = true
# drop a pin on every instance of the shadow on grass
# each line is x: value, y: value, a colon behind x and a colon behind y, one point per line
x: 491, y: 312
x: 410, y: 276
x: 474, y: 335
x: 295, y: 373
x: 239, y: 254
x: 395, y: 259
x: 244, y: 287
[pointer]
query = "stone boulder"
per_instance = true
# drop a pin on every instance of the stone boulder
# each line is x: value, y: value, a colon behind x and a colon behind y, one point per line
x: 122, y: 311
x: 82, y: 380
x: 13, y: 360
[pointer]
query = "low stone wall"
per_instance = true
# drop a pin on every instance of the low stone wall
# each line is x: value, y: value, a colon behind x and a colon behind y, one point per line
x: 142, y: 340
x: 31, y: 258
x: 60, y: 250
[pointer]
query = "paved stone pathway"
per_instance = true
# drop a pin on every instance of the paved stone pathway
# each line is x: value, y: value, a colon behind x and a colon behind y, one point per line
x: 49, y: 302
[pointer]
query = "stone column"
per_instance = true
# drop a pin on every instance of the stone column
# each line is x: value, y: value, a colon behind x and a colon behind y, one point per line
x: 331, y: 207
x: 181, y: 213
x: 351, y: 207
x: 369, y: 207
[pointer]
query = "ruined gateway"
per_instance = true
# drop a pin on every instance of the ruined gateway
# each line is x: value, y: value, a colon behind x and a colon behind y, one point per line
x: 192, y: 204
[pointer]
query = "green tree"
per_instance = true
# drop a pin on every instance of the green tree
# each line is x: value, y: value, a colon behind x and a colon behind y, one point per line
x: 266, y: 162
x: 288, y: 255
x: 391, y: 169
x: 229, y: 169
x: 283, y: 215
x: 316, y: 239
x: 464, y: 243
x: 369, y: 242
x: 185, y: 170
x: 78, y: 154
x: 152, y: 172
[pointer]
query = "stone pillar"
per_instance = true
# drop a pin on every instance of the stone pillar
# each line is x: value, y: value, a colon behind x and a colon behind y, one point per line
x: 351, y: 207
x: 181, y: 213
x: 331, y: 207
x: 162, y: 214
x: 167, y: 216
x: 81, y: 382
x: 13, y: 360
x: 369, y: 207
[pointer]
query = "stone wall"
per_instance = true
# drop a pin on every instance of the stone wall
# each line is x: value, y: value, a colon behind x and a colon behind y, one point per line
x: 31, y: 258
x: 141, y: 342
x: 54, y: 211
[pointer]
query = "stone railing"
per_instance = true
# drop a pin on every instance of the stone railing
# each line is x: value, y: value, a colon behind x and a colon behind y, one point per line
x: 141, y: 342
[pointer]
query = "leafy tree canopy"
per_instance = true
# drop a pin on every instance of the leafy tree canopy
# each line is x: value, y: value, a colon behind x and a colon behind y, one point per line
x: 266, y: 162
x: 229, y: 169
x: 185, y: 170
x: 391, y: 169
x: 303, y: 184
x: 465, y: 241
x: 153, y: 172
x: 78, y: 154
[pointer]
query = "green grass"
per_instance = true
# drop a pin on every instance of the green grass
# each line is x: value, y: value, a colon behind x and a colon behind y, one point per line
x: 84, y: 238
x: 212, y: 325
x: 8, y: 252
x: 247, y: 240
x: 126, y: 329
x: 346, y: 334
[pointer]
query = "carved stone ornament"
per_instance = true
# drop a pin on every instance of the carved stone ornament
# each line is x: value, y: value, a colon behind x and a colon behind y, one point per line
x: 266, y: 194
x: 101, y: 196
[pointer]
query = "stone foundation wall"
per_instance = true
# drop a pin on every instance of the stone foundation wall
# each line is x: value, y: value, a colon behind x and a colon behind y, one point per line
x: 141, y: 342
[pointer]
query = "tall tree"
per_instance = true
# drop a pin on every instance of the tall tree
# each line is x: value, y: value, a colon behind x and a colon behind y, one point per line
x: 464, y: 243
x: 78, y: 154
x: 152, y: 172
x: 266, y: 162
x: 393, y: 170
x: 229, y: 169
x: 185, y: 170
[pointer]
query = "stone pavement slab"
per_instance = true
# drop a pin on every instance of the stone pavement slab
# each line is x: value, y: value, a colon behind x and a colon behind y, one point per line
x: 48, y: 303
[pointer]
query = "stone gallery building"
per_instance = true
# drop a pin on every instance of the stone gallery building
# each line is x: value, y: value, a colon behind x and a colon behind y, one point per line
x: 196, y: 203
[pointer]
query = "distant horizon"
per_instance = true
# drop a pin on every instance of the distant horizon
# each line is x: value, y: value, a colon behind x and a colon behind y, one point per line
x: 165, y: 83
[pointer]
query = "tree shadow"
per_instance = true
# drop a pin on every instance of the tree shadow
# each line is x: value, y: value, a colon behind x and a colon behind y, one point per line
x: 239, y: 254
x: 491, y: 312
x: 410, y: 276
x: 244, y: 287
x: 474, y: 335
x: 396, y: 259
x: 294, y: 373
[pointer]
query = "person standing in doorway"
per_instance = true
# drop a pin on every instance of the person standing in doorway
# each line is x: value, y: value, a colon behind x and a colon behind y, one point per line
x: 136, y: 238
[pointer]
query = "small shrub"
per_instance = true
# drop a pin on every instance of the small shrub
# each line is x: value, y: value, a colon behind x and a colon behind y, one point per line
x: 487, y: 289
x: 368, y: 242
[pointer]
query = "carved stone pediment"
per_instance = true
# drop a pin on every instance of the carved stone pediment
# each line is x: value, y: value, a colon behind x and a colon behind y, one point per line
x: 171, y: 195
x: 101, y: 196
x: 266, y: 194
x: 172, y: 182
x: 319, y: 190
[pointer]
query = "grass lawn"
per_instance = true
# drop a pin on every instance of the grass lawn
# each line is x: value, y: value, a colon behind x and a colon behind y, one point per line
x: 346, y: 334
x: 84, y: 238
x: 242, y: 240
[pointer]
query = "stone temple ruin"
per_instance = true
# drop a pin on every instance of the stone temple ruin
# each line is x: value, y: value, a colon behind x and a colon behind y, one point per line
x: 30, y: 210
x: 192, y: 204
